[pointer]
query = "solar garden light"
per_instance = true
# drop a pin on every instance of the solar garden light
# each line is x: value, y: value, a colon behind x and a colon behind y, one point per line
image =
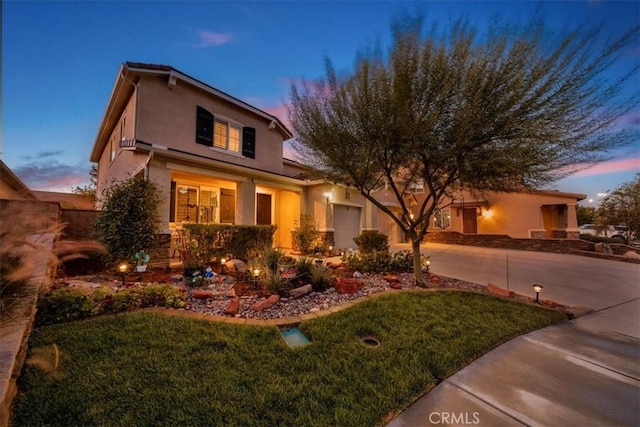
x: 123, y: 269
x: 538, y: 289
x: 223, y: 261
x: 256, y: 273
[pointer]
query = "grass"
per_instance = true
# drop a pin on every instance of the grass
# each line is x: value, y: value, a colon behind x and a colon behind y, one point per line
x: 147, y: 369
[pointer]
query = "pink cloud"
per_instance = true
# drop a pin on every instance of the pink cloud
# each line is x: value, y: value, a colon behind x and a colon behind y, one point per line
x: 612, y: 166
x: 209, y: 38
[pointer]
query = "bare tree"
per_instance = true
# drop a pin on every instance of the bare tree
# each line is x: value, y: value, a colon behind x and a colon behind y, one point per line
x: 513, y: 109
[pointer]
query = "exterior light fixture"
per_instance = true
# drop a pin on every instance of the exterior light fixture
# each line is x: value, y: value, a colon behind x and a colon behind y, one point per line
x: 329, y: 196
x: 123, y: 270
x: 223, y: 261
x: 537, y: 288
x: 256, y: 272
x: 411, y: 216
x: 487, y: 213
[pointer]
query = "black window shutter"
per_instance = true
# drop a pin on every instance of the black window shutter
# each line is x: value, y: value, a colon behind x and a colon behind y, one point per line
x: 249, y: 142
x: 204, y: 127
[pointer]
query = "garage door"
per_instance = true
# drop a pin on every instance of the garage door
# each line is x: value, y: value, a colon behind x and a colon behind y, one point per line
x: 346, y: 223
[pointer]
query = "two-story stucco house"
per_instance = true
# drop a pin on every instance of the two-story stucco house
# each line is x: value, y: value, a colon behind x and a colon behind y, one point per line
x: 218, y: 159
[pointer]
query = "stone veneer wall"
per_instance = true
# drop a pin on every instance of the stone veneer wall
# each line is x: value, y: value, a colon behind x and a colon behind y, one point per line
x: 503, y: 241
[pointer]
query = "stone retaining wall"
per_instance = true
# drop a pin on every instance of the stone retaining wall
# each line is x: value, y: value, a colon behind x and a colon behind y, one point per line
x: 506, y: 242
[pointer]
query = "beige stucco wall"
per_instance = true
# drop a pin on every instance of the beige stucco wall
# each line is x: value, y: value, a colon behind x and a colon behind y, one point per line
x: 513, y: 214
x: 167, y: 116
x: 126, y: 163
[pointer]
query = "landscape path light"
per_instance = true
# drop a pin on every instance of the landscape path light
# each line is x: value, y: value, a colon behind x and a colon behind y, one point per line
x: 123, y: 269
x: 538, y: 289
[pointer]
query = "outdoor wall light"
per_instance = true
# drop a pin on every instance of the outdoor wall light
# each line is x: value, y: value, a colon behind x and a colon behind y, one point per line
x: 123, y: 269
x: 538, y: 289
x: 487, y: 213
x: 329, y: 196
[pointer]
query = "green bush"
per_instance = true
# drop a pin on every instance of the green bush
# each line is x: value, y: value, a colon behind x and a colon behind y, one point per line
x: 304, y: 266
x: 272, y: 283
x: 305, y: 234
x: 372, y: 241
x: 270, y: 258
x: 382, y: 262
x: 321, y: 279
x: 64, y: 304
x: 129, y: 220
x: 218, y: 240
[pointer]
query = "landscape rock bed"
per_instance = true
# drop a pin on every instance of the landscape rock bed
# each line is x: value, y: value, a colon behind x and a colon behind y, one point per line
x: 315, y: 301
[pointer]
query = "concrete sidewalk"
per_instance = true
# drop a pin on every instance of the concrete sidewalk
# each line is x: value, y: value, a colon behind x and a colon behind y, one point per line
x: 583, y: 372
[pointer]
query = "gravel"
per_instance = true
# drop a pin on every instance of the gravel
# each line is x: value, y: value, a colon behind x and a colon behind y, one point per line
x: 314, y: 301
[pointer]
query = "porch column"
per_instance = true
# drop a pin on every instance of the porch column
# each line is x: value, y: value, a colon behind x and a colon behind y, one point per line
x: 246, y: 203
x: 573, y: 232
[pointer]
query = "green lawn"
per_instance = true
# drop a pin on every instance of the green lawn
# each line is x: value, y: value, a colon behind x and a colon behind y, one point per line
x: 149, y: 369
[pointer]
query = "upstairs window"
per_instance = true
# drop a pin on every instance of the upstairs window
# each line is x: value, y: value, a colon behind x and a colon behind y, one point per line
x: 226, y: 136
x: 218, y: 133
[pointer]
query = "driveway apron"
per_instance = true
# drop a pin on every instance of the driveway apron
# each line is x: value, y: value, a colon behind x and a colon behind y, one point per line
x: 583, y: 372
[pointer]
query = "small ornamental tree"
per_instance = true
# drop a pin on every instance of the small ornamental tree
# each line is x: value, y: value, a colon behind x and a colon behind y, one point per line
x: 508, y: 110
x: 622, y: 207
x: 129, y: 221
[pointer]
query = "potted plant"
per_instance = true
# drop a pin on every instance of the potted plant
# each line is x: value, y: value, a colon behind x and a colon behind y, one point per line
x: 191, y: 257
x: 142, y: 258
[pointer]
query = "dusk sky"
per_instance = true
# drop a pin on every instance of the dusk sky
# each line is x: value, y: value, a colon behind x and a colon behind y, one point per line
x: 60, y: 60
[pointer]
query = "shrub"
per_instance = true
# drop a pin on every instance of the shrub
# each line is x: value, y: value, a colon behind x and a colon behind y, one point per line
x: 129, y: 220
x: 272, y: 283
x: 200, y: 243
x: 321, y: 279
x: 304, y: 266
x: 372, y: 241
x: 305, y: 234
x: 270, y: 258
x: 64, y: 304
x: 381, y: 262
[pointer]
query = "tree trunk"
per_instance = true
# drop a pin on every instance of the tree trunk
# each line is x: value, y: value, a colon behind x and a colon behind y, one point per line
x: 417, y: 263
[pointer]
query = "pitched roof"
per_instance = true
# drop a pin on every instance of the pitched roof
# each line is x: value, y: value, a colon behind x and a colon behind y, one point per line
x: 123, y: 88
x: 12, y: 180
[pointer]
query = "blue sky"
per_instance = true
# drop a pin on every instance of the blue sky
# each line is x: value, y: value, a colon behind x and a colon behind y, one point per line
x: 60, y: 60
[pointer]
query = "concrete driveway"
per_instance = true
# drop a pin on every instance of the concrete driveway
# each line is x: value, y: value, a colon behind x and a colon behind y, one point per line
x: 568, y: 279
x: 585, y: 372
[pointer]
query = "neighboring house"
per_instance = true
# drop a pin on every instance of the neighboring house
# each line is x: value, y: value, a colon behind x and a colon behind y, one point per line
x: 66, y: 200
x: 535, y: 214
x: 11, y: 187
x: 217, y: 159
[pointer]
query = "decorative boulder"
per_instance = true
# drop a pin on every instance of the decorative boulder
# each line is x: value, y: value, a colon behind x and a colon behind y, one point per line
x: 357, y: 275
x: 345, y: 285
x: 235, y: 266
x: 233, y: 307
x: 201, y: 294
x: 301, y: 291
x: 436, y: 280
x: 264, y: 304
x: 631, y: 254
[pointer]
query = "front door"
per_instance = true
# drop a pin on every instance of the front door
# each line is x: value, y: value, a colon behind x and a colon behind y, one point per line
x: 263, y: 209
x: 469, y: 221
x: 227, y: 206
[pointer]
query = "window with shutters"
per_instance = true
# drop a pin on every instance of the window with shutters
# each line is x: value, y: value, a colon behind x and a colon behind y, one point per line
x: 218, y: 133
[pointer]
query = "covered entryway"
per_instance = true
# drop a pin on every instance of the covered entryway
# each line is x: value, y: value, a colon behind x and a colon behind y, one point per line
x: 470, y: 221
x: 263, y: 209
x: 346, y: 223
